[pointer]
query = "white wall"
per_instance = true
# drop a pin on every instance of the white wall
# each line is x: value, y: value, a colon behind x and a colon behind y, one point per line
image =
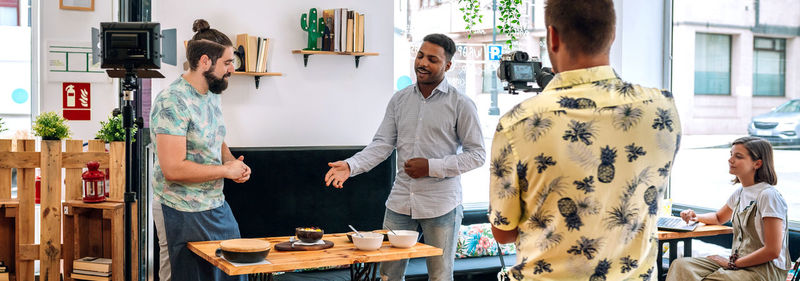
x: 74, y: 26
x: 330, y: 102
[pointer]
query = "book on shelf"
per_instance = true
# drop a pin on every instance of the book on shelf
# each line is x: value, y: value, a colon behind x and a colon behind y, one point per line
x: 337, y: 30
x: 343, y: 38
x: 92, y: 264
x: 252, y: 56
x: 89, y: 272
x: 349, y: 41
x: 77, y: 276
x: 263, y: 53
x: 330, y: 32
x: 360, y: 29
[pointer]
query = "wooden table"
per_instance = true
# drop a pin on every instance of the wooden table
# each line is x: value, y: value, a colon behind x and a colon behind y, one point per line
x: 673, y: 238
x: 343, y: 252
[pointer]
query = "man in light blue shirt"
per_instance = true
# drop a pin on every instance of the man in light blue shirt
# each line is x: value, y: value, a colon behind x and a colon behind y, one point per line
x: 436, y: 132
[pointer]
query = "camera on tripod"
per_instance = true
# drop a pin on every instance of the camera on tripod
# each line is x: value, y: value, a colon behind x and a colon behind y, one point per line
x: 518, y: 69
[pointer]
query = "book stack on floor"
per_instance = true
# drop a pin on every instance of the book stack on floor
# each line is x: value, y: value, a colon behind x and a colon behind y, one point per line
x: 91, y: 268
x: 3, y: 272
x: 344, y: 31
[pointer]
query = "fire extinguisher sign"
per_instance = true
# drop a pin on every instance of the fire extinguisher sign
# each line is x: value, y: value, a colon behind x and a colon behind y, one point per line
x: 77, y: 101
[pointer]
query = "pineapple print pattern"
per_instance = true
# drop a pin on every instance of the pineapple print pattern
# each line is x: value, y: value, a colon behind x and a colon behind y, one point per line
x: 606, y: 170
x: 587, y: 163
x: 601, y: 270
x: 569, y: 210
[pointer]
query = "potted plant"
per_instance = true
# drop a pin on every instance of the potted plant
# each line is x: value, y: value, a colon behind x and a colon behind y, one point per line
x: 51, y: 126
x: 112, y: 130
x: 112, y: 133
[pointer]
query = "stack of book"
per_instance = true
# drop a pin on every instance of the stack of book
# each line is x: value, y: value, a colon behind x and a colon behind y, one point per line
x: 91, y: 268
x: 344, y: 31
x: 256, y: 51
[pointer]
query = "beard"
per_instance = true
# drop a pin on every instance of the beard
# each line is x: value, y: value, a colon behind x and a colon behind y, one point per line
x: 216, y: 85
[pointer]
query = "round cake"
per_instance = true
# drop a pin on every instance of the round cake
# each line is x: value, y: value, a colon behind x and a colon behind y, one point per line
x: 244, y: 245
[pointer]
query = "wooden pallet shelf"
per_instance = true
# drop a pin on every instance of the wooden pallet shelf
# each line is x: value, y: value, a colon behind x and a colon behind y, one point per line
x: 357, y: 55
x: 102, y: 222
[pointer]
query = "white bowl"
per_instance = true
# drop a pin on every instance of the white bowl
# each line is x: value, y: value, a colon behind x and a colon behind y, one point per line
x: 404, y: 238
x: 369, y: 242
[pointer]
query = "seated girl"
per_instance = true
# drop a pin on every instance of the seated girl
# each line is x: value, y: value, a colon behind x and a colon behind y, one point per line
x: 758, y: 213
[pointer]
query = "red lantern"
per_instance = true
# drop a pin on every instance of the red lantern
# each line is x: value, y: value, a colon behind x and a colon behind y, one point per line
x: 94, y: 183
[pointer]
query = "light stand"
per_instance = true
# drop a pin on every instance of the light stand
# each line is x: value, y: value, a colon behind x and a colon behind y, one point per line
x: 129, y: 89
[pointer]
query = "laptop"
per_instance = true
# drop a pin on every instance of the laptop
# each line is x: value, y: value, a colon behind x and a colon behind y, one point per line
x: 676, y: 224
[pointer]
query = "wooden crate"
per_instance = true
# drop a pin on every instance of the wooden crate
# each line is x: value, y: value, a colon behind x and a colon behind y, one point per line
x: 82, y: 238
x: 8, y: 233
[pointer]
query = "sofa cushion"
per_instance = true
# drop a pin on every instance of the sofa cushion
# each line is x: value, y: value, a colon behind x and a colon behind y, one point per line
x: 476, y: 240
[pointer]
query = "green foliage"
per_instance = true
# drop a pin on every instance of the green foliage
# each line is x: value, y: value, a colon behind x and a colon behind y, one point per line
x: 471, y: 14
x: 51, y: 126
x: 112, y: 130
x: 2, y: 125
x: 509, y: 17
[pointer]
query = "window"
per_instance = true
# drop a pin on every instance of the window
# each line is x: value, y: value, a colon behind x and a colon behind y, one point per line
x: 769, y: 67
x: 9, y: 12
x: 712, y: 64
x: 731, y: 73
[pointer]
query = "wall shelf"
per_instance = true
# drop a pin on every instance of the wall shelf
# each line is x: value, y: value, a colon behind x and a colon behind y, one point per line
x: 357, y: 55
x: 257, y: 75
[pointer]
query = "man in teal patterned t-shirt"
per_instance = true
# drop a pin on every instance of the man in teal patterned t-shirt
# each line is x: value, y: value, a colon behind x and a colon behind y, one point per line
x: 192, y: 159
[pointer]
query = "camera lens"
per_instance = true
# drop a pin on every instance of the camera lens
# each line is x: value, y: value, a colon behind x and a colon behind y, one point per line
x: 521, y: 56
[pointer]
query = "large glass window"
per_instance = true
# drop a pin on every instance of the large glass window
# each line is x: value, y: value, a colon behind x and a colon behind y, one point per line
x: 712, y: 64
x: 769, y: 66
x: 732, y: 77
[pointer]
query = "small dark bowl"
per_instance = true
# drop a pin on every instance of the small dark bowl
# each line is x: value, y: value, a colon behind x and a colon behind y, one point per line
x: 350, y: 236
x: 308, y: 236
x: 384, y: 232
x: 243, y: 257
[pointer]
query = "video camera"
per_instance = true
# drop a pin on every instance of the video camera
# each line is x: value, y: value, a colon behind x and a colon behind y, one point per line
x: 518, y: 69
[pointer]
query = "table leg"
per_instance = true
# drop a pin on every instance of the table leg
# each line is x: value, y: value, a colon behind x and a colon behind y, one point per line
x: 659, y: 261
x: 259, y: 277
x: 673, y: 251
x: 363, y: 271
x: 687, y: 247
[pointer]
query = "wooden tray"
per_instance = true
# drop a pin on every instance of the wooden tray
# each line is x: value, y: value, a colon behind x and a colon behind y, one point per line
x: 287, y: 246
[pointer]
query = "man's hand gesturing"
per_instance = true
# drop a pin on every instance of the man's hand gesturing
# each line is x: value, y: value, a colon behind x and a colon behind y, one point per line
x: 338, y: 174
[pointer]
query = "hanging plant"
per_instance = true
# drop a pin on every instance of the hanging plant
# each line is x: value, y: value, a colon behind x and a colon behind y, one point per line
x: 112, y: 130
x: 509, y: 19
x: 471, y: 14
x: 509, y: 23
x: 51, y: 126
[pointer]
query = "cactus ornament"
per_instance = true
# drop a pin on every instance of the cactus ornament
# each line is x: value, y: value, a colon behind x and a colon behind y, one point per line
x: 314, y: 26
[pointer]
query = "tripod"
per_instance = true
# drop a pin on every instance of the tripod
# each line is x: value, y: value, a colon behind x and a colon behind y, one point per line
x: 129, y: 89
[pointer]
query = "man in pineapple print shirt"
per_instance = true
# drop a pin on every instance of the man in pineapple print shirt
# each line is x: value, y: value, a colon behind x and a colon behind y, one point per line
x: 577, y: 171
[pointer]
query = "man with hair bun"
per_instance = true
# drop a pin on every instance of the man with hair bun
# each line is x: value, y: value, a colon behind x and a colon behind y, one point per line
x: 192, y: 159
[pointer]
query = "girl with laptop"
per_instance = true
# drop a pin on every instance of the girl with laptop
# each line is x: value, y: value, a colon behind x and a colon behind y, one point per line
x: 759, y: 217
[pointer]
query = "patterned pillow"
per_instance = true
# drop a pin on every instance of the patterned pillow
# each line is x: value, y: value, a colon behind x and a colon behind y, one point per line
x: 476, y: 240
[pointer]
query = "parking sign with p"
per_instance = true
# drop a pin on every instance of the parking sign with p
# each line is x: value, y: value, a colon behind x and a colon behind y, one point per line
x: 495, y: 51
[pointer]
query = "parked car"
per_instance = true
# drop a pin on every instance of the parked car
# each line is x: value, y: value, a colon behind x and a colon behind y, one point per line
x: 780, y: 126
